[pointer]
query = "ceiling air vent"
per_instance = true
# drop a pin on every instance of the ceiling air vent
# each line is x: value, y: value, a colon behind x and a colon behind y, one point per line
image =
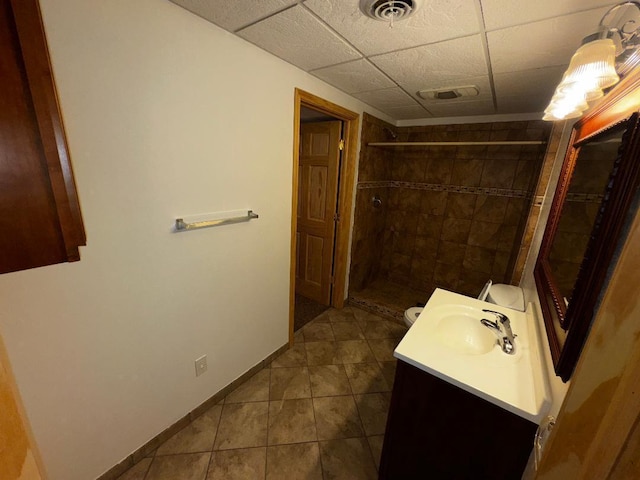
x: 389, y: 10
x: 449, y: 93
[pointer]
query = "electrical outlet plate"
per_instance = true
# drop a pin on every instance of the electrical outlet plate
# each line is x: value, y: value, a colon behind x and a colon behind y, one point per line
x: 201, y: 365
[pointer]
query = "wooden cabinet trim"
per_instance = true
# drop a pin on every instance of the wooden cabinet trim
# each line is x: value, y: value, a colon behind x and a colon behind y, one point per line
x: 45, y: 100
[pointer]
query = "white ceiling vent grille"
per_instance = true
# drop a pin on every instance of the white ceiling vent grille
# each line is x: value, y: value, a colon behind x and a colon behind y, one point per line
x: 449, y: 93
x: 389, y: 10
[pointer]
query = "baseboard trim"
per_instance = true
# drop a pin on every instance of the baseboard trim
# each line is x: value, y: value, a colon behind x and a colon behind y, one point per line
x: 148, y: 449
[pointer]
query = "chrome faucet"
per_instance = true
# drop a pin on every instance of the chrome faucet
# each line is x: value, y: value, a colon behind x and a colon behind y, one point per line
x: 502, y: 328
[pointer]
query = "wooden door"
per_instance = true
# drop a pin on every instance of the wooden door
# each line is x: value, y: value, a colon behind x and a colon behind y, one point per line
x: 317, y: 201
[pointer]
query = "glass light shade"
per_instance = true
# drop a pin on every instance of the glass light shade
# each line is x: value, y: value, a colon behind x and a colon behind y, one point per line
x: 562, y: 115
x: 576, y: 100
x: 592, y: 95
x: 553, y: 115
x: 588, y: 89
x: 570, y: 104
x: 593, y: 62
x: 567, y: 103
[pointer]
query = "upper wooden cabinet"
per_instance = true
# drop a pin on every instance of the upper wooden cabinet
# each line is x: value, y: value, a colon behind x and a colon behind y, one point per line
x: 40, y: 219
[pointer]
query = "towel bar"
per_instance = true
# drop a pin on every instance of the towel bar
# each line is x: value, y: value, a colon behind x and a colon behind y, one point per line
x: 182, y: 226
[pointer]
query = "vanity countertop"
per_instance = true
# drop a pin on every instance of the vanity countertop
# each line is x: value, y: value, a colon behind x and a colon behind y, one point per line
x: 514, y: 382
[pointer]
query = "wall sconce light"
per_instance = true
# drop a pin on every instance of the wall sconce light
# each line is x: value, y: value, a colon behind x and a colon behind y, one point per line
x: 596, y: 65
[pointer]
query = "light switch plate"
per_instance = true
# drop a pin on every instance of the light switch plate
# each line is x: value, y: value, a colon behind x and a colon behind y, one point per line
x: 201, y: 365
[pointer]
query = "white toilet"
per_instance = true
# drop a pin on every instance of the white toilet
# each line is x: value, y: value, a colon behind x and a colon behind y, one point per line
x: 410, y: 315
x: 508, y: 296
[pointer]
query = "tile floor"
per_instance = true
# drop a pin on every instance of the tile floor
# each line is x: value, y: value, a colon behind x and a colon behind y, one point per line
x: 317, y: 412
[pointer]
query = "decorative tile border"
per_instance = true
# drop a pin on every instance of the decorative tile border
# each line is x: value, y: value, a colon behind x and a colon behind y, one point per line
x: 585, y: 197
x: 374, y: 184
x: 436, y: 187
x: 373, y: 307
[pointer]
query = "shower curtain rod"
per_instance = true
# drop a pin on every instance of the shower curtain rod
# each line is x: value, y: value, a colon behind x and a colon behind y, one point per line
x: 452, y: 144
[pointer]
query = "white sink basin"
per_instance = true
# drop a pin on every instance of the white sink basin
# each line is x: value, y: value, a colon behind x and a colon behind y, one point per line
x: 458, y: 327
x: 448, y: 341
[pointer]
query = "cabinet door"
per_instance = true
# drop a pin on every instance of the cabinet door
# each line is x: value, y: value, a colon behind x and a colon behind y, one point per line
x: 436, y: 430
x: 40, y: 220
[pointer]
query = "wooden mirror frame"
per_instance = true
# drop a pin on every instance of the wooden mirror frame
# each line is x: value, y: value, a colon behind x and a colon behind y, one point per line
x: 568, y: 327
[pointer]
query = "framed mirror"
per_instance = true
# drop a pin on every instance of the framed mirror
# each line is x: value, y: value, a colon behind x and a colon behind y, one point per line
x: 598, y: 181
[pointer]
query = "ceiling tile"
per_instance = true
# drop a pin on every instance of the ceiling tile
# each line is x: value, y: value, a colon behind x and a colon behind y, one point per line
x: 435, y: 64
x: 522, y: 104
x: 460, y: 109
x: 298, y: 37
x: 536, y: 82
x: 435, y: 21
x: 387, y: 98
x: 243, y: 12
x: 482, y: 83
x: 530, y: 43
x: 541, y: 44
x: 352, y: 77
x: 506, y: 13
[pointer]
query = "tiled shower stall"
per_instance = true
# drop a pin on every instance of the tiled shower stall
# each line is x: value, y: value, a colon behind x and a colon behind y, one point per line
x: 450, y: 216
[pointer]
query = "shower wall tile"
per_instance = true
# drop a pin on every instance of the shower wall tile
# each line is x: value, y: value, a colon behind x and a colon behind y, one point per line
x: 409, y: 200
x: 536, y: 131
x: 439, y: 170
x: 479, y: 259
x: 425, y: 247
x: 400, y: 267
x: 498, y: 173
x: 408, y: 169
x: 453, y: 216
x: 485, y: 234
x: 524, y: 174
x: 469, y: 281
x: 434, y: 203
x: 475, y: 127
x: 491, y: 209
x: 455, y: 230
x: 516, y: 208
x: 436, y: 152
x: 406, y: 222
x: 533, y: 152
x: 500, y: 266
x: 369, y: 229
x: 460, y: 205
x: 446, y: 276
x: 422, y: 270
x: 430, y: 225
x: 446, y: 135
x: 451, y: 253
x: 394, y: 198
x: 504, y: 152
x: 472, y: 136
x: 404, y: 243
x: 507, y: 236
x: 467, y: 171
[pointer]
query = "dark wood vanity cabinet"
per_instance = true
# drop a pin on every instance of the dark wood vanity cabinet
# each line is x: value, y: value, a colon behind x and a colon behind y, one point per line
x: 436, y: 430
x: 40, y: 220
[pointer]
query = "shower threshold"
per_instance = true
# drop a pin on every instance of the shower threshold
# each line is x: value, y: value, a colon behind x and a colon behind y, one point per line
x: 388, y: 299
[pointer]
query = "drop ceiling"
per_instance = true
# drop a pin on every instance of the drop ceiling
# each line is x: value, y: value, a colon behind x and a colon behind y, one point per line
x: 514, y: 51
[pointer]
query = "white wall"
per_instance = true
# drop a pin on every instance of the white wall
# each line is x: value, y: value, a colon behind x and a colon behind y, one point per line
x: 557, y: 388
x: 166, y: 115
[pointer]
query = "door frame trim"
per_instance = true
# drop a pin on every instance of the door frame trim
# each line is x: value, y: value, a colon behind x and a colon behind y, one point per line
x: 351, y: 121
